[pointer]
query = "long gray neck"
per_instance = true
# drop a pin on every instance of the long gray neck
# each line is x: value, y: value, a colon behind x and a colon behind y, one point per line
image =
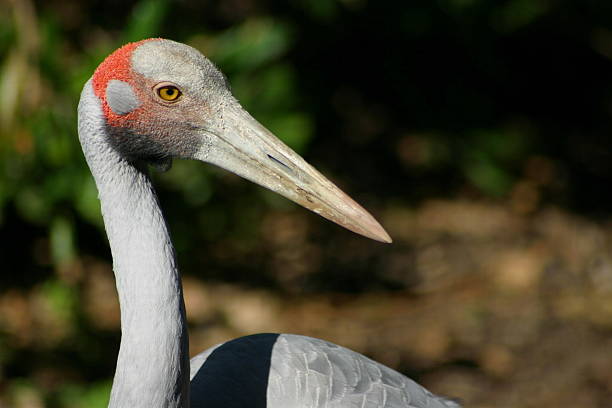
x: 153, y: 362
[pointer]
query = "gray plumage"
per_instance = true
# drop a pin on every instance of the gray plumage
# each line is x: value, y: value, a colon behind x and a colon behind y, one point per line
x: 291, y: 371
x: 206, y: 123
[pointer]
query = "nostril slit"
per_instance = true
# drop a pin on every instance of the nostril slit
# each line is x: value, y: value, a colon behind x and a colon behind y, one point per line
x: 294, y: 172
x: 275, y: 160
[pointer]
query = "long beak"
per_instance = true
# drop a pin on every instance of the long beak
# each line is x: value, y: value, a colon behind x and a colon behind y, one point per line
x: 243, y: 146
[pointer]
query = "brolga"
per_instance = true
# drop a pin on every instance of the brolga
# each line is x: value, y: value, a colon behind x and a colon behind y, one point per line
x: 157, y: 100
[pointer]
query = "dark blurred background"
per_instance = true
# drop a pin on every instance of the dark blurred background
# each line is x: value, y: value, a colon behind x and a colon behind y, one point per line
x: 478, y: 132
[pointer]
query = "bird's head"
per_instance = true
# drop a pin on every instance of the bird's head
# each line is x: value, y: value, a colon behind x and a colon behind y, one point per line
x: 163, y: 100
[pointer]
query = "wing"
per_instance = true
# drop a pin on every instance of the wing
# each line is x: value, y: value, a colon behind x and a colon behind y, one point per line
x: 291, y: 371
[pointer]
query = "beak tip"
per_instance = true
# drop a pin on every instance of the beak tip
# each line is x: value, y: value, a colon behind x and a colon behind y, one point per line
x: 372, y: 229
x: 381, y: 235
x: 386, y: 239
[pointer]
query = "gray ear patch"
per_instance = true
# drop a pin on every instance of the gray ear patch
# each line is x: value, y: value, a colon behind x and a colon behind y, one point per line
x: 121, y: 97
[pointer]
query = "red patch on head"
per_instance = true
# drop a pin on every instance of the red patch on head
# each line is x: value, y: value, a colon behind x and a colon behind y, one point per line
x: 118, y: 66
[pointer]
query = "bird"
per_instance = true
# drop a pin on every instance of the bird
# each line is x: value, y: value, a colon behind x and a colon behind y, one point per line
x: 151, y: 102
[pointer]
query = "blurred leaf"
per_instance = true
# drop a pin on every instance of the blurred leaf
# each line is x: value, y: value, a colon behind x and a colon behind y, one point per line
x: 458, y: 7
x: 489, y: 156
x: 488, y: 177
x: 275, y: 88
x: 191, y: 178
x: 519, y: 13
x: 32, y: 205
x: 95, y: 395
x: 7, y: 31
x: 98, y: 395
x: 322, y: 10
x: 295, y: 129
x: 250, y: 45
x: 23, y: 393
x: 62, y: 240
x: 11, y: 78
x: 86, y: 199
x: 146, y: 20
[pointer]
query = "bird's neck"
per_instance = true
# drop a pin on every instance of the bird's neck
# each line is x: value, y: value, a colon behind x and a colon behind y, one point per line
x: 153, y: 364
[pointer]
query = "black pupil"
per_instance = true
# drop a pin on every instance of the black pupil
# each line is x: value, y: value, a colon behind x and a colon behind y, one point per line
x: 170, y: 91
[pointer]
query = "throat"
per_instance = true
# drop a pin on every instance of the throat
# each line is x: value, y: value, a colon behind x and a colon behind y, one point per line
x: 152, y: 366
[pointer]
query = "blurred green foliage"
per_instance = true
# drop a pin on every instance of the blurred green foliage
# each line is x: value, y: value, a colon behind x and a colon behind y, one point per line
x: 408, y: 102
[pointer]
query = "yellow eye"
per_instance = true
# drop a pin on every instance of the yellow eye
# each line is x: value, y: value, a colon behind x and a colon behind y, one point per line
x: 169, y: 93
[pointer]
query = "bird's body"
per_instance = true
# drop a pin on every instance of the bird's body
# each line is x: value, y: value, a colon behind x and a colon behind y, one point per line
x: 287, y: 370
x: 156, y: 100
